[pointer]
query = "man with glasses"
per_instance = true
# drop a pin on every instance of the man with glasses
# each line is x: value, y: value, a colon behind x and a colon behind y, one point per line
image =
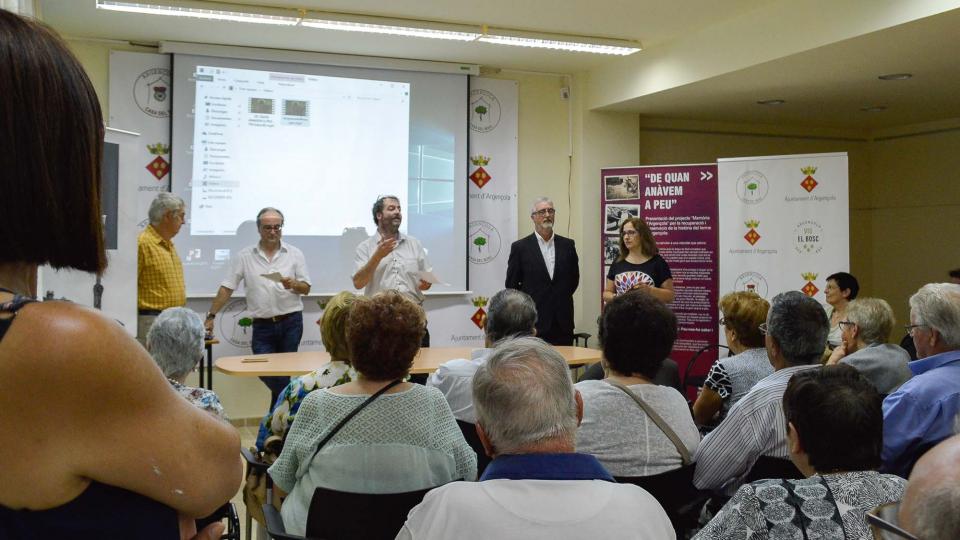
x: 921, y: 412
x: 159, y: 271
x: 274, y: 274
x: 545, y: 266
x: 391, y: 260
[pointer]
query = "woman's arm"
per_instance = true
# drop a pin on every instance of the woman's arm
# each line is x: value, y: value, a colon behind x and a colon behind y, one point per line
x: 707, y: 406
x: 609, y: 291
x: 664, y: 292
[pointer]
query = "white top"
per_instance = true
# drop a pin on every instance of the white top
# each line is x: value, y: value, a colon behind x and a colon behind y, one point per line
x: 455, y: 379
x: 616, y: 431
x: 537, y: 509
x: 266, y: 298
x: 549, y: 251
x: 399, y: 270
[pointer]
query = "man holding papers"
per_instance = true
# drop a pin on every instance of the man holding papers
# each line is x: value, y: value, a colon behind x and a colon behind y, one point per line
x: 391, y: 260
x: 275, y: 276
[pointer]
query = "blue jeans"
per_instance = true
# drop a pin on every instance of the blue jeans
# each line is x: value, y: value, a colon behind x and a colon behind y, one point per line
x: 277, y: 337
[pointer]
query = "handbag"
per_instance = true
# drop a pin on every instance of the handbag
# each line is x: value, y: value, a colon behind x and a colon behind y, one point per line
x: 658, y: 420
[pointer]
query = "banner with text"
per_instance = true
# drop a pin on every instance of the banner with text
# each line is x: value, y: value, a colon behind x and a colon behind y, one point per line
x: 679, y: 204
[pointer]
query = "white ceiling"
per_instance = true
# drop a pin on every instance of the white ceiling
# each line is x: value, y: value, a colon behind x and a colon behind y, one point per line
x: 825, y: 86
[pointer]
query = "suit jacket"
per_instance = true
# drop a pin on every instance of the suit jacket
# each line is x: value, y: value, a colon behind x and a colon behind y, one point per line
x: 527, y: 272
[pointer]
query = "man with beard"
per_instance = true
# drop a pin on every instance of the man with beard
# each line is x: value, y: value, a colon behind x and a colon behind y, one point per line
x: 545, y: 266
x: 391, y: 260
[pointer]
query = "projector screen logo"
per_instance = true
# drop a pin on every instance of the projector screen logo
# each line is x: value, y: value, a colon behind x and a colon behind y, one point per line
x: 151, y: 92
x: 483, y: 242
x: 484, y: 111
x: 752, y: 187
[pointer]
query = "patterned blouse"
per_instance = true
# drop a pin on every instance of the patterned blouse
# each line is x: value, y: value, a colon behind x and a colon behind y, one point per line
x: 733, y: 377
x: 201, y: 398
x: 827, y: 507
x: 278, y: 420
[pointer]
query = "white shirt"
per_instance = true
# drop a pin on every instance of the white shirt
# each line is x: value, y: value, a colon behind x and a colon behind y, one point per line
x: 537, y: 509
x: 455, y: 379
x: 399, y: 270
x: 267, y: 298
x: 549, y: 252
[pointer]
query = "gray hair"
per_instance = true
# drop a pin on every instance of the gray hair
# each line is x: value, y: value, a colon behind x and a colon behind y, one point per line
x: 163, y: 204
x: 538, y: 200
x: 523, y: 395
x: 269, y: 209
x: 511, y: 313
x: 800, y: 326
x: 874, y: 319
x: 937, y: 305
x: 175, y: 341
x: 936, y: 516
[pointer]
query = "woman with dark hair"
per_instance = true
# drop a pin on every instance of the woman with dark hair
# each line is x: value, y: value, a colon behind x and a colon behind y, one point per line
x: 102, y: 454
x: 637, y: 333
x: 840, y: 290
x: 731, y: 378
x: 403, y: 438
x: 834, y: 435
x: 640, y: 266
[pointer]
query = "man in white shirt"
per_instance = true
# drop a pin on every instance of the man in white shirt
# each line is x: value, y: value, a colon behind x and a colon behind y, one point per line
x: 537, y: 486
x: 275, y: 304
x: 390, y: 259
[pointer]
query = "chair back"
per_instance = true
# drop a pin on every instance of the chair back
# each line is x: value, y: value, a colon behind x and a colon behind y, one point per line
x: 341, y: 515
x: 470, y: 434
x: 771, y: 467
x: 675, y: 492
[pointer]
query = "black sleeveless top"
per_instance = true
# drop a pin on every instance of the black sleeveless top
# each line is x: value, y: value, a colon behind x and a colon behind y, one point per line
x: 101, y: 511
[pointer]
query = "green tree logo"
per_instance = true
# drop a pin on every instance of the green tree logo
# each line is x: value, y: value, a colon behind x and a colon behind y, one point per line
x: 480, y: 110
x: 479, y: 242
x: 245, y: 323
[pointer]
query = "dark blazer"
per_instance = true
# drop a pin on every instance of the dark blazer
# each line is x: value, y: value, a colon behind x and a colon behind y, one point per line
x: 527, y: 272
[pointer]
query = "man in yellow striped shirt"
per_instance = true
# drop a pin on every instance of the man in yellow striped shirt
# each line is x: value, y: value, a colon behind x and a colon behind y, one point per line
x: 159, y: 271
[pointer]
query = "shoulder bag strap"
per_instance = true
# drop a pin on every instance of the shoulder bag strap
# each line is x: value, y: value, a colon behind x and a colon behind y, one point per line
x: 353, y: 413
x: 657, y: 419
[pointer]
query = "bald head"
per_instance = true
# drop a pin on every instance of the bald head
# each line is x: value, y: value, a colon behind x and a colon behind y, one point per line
x: 929, y: 505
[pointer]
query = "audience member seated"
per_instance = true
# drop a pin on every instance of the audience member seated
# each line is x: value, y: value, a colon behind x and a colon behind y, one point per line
x: 864, y: 333
x: 834, y: 433
x: 796, y: 334
x: 637, y: 332
x: 920, y: 413
x: 96, y: 443
x: 536, y: 486
x: 510, y: 313
x: 403, y: 439
x: 333, y: 327
x: 175, y: 341
x: 930, y: 503
x: 840, y: 290
x: 731, y: 378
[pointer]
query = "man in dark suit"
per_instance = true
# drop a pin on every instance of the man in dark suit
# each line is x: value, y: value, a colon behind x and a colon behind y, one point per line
x: 545, y: 266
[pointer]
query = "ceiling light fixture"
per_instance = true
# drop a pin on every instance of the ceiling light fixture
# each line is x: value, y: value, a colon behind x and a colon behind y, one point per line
x: 771, y: 102
x: 874, y: 108
x: 520, y: 38
x: 197, y: 12
x: 896, y: 77
x: 394, y: 27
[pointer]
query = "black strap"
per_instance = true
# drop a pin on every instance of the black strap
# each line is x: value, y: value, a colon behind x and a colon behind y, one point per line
x: 353, y: 413
x: 12, y: 307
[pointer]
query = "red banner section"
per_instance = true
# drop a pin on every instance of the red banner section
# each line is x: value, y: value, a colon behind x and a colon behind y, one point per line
x: 679, y: 204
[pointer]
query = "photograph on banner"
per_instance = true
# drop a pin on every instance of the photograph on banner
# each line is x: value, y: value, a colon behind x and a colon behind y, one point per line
x: 620, y: 188
x: 617, y: 214
x: 679, y: 205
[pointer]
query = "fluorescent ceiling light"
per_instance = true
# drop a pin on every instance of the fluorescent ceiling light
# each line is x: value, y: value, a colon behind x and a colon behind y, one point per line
x: 393, y: 27
x: 517, y: 38
x: 197, y: 12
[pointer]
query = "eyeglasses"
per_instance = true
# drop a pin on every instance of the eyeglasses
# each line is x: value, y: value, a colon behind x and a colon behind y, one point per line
x: 271, y: 227
x: 764, y: 329
x: 841, y: 324
x: 911, y: 327
x: 544, y: 212
x: 630, y: 233
x: 883, y: 523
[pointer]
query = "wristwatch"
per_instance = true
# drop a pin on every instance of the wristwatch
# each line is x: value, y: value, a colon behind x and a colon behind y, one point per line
x: 211, y: 316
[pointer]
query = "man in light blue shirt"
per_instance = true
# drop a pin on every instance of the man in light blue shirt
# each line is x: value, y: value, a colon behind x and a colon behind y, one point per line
x: 921, y: 413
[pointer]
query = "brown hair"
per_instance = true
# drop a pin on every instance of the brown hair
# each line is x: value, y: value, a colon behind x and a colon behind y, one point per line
x: 384, y: 334
x: 52, y: 132
x: 744, y: 312
x: 647, y: 243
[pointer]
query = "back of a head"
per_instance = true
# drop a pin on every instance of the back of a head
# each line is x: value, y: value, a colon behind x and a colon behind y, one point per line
x: 874, y: 319
x: 929, y: 506
x: 52, y: 132
x: 800, y: 326
x: 175, y: 341
x: 938, y: 305
x: 383, y: 335
x: 837, y: 414
x: 637, y: 332
x: 510, y: 313
x: 744, y: 312
x: 523, y: 395
x: 845, y: 281
x: 333, y: 325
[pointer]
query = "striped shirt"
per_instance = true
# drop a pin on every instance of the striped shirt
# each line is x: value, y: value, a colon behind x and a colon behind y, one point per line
x: 754, y: 427
x: 159, y: 272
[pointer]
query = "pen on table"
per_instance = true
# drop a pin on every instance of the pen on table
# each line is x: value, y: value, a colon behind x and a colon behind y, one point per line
x: 250, y: 360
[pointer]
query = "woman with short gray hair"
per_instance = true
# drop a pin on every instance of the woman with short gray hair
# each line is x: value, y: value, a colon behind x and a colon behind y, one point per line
x: 864, y: 345
x: 175, y: 341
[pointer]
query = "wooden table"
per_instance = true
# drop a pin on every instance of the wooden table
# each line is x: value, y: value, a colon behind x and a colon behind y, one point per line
x: 426, y: 361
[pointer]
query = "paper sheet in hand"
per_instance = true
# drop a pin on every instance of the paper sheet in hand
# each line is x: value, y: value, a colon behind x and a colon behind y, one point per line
x: 273, y: 276
x: 430, y: 277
